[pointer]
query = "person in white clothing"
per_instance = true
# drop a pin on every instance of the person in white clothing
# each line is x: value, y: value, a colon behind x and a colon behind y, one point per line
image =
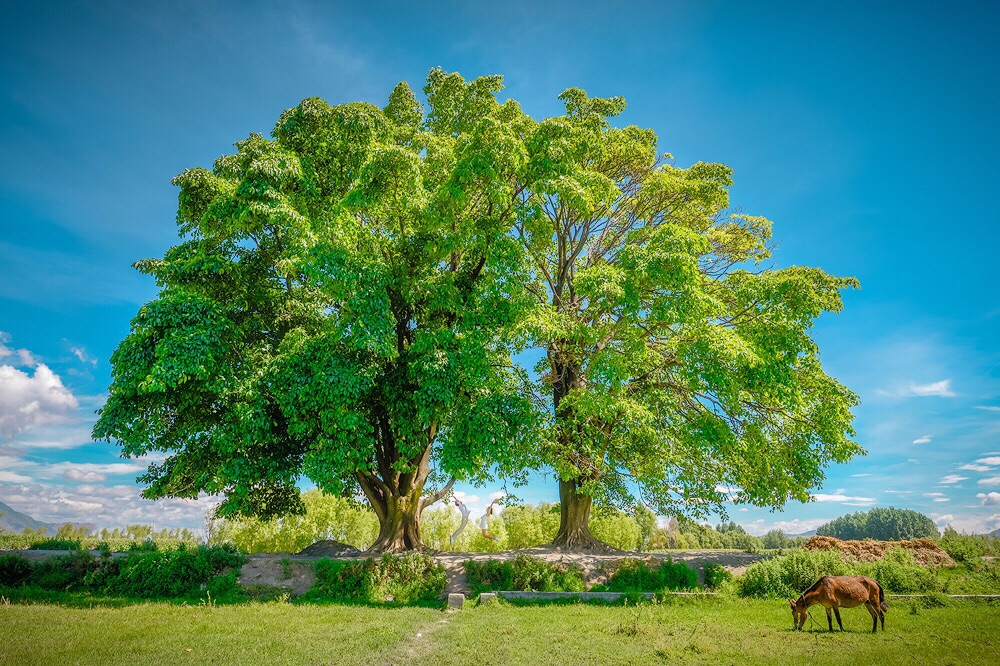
x: 465, y: 518
x: 484, y: 522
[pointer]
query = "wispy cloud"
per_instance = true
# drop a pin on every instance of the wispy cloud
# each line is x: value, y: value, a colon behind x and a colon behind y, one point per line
x: 952, y: 478
x: 11, y: 477
x: 926, y: 439
x: 941, y: 389
x: 969, y: 467
x: 991, y: 481
x: 988, y: 408
x: 933, y: 494
x: 845, y: 499
x: 990, y: 460
x: 942, y: 499
x: 859, y: 475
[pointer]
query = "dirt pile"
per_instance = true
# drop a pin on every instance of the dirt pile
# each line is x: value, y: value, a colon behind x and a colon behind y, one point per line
x: 925, y: 551
x: 329, y: 548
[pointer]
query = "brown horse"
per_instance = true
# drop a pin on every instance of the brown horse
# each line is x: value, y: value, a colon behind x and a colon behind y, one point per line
x: 836, y: 592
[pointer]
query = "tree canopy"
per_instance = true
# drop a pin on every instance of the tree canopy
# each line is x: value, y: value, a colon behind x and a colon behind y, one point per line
x: 341, y: 308
x: 881, y: 524
x: 348, y: 295
x: 681, y: 368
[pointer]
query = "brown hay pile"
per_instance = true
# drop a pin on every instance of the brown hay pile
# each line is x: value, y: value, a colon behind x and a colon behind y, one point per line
x: 925, y: 551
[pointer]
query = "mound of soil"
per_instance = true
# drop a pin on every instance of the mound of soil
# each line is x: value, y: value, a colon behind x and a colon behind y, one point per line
x: 925, y: 551
x: 329, y: 548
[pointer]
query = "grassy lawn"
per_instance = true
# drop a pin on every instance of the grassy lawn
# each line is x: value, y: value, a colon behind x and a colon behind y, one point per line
x: 700, y: 631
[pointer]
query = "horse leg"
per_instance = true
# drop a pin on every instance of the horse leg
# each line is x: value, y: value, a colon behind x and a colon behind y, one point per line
x: 881, y: 616
x: 871, y: 610
x: 829, y: 620
x: 837, y: 611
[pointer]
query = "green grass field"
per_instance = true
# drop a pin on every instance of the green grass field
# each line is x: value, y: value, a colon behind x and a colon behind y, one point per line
x: 702, y: 631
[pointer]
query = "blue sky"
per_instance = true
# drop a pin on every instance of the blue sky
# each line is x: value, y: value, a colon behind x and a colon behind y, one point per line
x: 868, y: 135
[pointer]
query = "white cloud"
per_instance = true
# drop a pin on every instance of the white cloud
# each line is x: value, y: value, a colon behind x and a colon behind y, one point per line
x: 933, y: 494
x: 24, y: 357
x: 941, y: 389
x: 61, y: 468
x: 912, y: 460
x: 846, y: 499
x: 926, y: 439
x: 989, y: 499
x: 989, y: 408
x: 859, y: 475
x: 991, y: 481
x: 760, y: 528
x: 989, y: 461
x: 107, y: 506
x: 952, y: 478
x: 942, y: 499
x: 11, y: 477
x: 78, y: 475
x: 29, y: 401
x: 975, y: 468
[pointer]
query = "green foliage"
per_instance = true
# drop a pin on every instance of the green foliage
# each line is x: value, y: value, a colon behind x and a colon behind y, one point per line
x: 881, y: 524
x: 529, y: 526
x: 682, y: 372
x: 151, y: 574
x: 716, y: 576
x: 968, y: 548
x: 523, y: 573
x: 790, y: 575
x: 412, y: 578
x: 56, y: 544
x: 325, y: 517
x: 343, y: 306
x: 638, y: 576
x: 116, y: 540
x: 616, y: 528
x: 14, y: 570
x: 64, y: 572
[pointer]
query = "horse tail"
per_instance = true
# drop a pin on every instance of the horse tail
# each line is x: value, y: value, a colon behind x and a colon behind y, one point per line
x: 881, y: 598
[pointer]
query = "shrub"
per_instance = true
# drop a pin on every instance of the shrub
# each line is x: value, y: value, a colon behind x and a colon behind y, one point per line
x: 791, y: 574
x: 523, y: 573
x: 638, y: 576
x: 407, y: 579
x: 56, y: 544
x: 899, y: 573
x: 149, y: 574
x: 64, y: 572
x: 14, y: 570
x: 716, y: 575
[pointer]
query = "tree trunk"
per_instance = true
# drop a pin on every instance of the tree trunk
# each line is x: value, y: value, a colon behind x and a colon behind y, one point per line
x: 399, y: 529
x: 574, y: 521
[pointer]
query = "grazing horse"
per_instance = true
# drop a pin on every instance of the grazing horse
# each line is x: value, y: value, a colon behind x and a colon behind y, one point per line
x: 836, y: 592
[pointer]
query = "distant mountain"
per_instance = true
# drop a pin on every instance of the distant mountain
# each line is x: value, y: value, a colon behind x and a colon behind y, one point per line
x: 810, y: 533
x: 15, y: 521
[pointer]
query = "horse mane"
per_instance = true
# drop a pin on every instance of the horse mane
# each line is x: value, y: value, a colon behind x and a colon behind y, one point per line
x: 812, y: 588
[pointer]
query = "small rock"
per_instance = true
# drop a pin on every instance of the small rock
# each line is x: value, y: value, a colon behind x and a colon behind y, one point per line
x: 487, y: 598
x: 456, y: 600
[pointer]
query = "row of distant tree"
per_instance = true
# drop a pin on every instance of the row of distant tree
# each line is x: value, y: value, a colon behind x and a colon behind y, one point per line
x: 339, y: 519
x: 518, y: 527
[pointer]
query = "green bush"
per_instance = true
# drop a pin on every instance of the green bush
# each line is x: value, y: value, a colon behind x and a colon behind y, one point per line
x: 407, y: 579
x: 789, y: 575
x: 64, y: 572
x: 523, y: 573
x: 150, y: 574
x: 716, y: 576
x: 636, y: 576
x: 56, y: 544
x: 14, y: 570
x: 899, y: 573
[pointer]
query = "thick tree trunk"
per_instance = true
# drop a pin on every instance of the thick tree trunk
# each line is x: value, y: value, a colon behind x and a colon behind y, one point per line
x: 399, y: 529
x: 574, y: 521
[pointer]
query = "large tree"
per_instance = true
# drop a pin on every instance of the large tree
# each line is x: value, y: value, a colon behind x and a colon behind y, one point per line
x: 341, y: 308
x: 681, y: 369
